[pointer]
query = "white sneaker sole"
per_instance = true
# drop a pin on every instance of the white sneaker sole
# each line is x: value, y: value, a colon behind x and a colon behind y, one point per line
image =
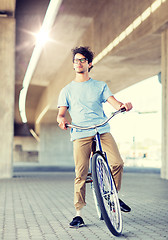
x: 78, y: 226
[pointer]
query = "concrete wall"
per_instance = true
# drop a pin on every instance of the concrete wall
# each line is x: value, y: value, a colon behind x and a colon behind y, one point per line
x: 55, y: 146
x: 25, y: 149
x: 54, y: 149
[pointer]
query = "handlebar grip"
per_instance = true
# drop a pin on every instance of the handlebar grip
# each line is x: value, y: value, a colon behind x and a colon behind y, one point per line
x: 123, y: 109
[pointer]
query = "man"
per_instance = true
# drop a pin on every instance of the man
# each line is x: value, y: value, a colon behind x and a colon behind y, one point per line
x: 83, y: 98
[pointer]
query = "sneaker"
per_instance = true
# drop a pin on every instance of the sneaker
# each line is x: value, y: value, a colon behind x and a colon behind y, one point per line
x: 76, y: 222
x: 124, y: 207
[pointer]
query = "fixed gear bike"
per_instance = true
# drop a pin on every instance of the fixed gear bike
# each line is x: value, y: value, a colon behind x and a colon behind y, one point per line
x: 104, y: 189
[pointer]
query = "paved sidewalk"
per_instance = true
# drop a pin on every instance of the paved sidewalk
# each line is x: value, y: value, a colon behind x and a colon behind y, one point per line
x: 39, y: 206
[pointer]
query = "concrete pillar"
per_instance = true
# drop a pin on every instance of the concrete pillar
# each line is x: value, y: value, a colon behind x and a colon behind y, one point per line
x: 164, y: 79
x: 55, y: 146
x: 7, y: 83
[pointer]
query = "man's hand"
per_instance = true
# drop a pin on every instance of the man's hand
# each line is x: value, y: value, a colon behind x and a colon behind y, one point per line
x: 128, y: 106
x: 62, y: 121
x: 62, y: 124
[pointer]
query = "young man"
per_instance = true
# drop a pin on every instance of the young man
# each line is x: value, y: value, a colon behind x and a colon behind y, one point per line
x: 83, y: 98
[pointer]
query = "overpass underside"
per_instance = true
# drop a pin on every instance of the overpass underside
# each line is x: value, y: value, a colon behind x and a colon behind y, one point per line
x: 130, y: 41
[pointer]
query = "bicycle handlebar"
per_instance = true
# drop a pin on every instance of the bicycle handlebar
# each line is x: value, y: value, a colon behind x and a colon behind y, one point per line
x: 98, y: 125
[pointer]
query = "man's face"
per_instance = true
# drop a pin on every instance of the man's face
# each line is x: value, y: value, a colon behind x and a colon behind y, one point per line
x: 81, y: 64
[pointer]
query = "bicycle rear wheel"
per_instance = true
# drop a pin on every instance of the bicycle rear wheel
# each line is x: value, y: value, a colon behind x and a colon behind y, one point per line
x: 106, y: 194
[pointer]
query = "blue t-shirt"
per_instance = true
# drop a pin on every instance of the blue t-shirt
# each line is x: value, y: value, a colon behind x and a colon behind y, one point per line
x: 84, y: 101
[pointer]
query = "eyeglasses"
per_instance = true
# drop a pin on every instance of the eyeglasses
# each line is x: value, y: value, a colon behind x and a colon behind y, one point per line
x: 81, y: 60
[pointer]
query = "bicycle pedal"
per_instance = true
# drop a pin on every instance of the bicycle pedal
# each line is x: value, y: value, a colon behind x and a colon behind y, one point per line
x: 89, y: 174
x: 89, y: 180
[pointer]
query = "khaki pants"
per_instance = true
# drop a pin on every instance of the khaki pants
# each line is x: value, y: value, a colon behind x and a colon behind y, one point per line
x: 82, y: 150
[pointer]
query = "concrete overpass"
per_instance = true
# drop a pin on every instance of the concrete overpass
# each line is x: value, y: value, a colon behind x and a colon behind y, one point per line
x: 130, y: 41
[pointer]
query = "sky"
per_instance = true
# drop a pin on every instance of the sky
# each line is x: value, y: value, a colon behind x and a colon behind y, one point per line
x: 144, y: 120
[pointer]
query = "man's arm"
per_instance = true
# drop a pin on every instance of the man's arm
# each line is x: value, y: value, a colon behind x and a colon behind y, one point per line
x: 61, y: 117
x: 118, y: 105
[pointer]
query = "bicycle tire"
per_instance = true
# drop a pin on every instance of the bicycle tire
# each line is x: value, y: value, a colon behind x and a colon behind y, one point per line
x: 106, y: 194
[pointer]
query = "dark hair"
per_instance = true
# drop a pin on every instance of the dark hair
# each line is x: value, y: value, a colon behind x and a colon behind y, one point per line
x: 85, y: 51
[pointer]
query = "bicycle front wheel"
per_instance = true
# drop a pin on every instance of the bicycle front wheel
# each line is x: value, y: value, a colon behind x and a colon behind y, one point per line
x: 106, y: 194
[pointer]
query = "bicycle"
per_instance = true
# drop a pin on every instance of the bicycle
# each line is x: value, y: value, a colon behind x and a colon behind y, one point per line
x: 104, y: 189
